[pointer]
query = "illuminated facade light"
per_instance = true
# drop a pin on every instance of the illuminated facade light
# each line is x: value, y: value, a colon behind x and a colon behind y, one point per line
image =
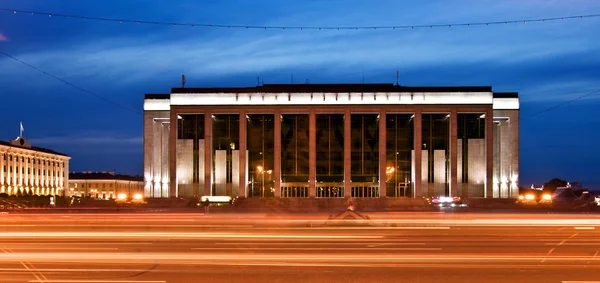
x: 241, y: 154
x: 23, y: 168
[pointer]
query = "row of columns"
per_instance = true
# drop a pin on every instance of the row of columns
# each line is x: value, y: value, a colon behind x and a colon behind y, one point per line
x: 31, y: 170
x: 418, y: 186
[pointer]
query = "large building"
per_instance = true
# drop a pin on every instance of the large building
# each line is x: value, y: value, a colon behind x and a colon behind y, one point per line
x: 27, y: 169
x: 104, y: 185
x: 332, y: 141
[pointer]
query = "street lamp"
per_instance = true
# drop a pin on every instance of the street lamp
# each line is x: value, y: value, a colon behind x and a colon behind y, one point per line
x: 260, y: 170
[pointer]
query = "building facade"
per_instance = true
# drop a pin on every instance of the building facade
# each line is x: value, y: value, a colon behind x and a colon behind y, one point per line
x: 27, y: 169
x: 104, y: 185
x: 332, y: 141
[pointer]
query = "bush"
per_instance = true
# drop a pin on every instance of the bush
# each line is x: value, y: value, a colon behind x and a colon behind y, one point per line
x: 3, y: 195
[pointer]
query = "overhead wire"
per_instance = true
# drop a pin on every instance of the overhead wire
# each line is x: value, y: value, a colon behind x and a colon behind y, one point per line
x: 597, y: 91
x: 69, y: 83
x: 271, y: 27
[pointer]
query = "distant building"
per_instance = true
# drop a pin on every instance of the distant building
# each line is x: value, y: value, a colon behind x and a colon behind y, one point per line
x: 332, y: 141
x: 27, y: 169
x: 104, y: 185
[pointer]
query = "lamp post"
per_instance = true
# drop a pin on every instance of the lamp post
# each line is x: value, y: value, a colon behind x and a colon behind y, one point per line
x: 260, y: 170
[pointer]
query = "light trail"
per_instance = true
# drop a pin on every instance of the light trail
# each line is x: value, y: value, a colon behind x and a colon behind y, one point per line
x: 202, y: 258
x: 329, y: 249
x: 97, y: 281
x: 166, y: 235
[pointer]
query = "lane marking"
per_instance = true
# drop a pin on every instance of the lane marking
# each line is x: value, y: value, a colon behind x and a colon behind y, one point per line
x: 559, y: 244
x: 30, y: 269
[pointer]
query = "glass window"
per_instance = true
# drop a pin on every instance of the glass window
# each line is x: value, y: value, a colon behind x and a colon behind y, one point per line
x: 294, y: 148
x: 330, y: 155
x: 225, y: 154
x: 190, y: 154
x: 330, y: 147
x: 471, y: 154
x: 436, y: 145
x: 365, y: 148
x: 261, y: 152
x: 399, y: 154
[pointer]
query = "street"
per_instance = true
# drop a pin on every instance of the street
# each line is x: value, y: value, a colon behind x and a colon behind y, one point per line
x: 403, y: 247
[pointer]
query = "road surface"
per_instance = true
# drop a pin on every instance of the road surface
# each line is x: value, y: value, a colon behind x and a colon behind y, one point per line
x: 404, y: 247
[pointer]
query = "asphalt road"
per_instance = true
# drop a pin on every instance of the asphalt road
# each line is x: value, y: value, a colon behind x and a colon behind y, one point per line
x: 401, y: 247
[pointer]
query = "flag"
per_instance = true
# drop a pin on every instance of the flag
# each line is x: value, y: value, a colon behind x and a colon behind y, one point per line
x: 22, y: 129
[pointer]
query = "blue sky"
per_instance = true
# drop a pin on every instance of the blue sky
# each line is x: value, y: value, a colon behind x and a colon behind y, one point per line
x: 547, y: 63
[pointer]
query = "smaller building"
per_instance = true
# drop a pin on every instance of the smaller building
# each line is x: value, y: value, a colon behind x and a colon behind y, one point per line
x: 32, y: 170
x: 104, y: 185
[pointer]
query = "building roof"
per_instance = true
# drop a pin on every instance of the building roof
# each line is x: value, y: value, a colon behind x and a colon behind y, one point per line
x: 103, y: 176
x: 34, y: 148
x: 506, y: 95
x: 303, y: 88
x: 157, y: 96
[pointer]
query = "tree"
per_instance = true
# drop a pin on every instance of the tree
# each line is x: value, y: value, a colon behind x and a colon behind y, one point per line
x: 553, y: 184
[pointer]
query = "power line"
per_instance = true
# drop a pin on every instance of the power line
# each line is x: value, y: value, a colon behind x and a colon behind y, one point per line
x: 209, y: 25
x: 68, y: 83
x: 564, y: 103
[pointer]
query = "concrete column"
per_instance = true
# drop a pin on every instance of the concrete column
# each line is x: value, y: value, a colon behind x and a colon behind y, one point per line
x: 489, y: 153
x: 453, y: 153
x: 382, y: 154
x: 312, y: 153
x: 20, y: 170
x: 243, y: 183
x: 277, y: 159
x: 208, y: 152
x: 418, y: 141
x: 347, y: 153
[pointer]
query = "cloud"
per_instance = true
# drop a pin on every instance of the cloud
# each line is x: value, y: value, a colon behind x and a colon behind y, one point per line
x: 127, y: 61
x: 92, y: 141
x: 3, y: 37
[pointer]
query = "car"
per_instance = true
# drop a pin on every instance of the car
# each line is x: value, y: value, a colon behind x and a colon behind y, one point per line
x: 444, y: 201
x: 535, y: 197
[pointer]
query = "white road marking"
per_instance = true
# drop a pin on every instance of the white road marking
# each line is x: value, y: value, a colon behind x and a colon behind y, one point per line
x: 585, y: 228
x: 559, y: 244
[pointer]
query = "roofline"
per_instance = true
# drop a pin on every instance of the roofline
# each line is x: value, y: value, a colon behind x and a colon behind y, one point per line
x: 506, y: 95
x: 35, y: 149
x: 302, y: 88
x: 157, y: 96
